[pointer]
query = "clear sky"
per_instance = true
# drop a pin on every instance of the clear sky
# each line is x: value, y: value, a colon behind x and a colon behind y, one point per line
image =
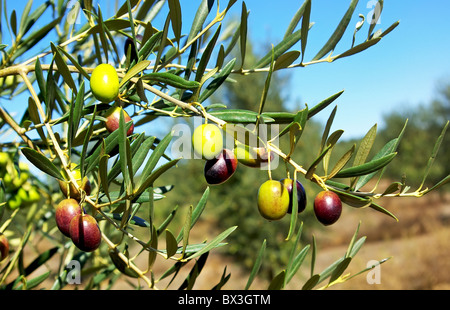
x: 401, y: 71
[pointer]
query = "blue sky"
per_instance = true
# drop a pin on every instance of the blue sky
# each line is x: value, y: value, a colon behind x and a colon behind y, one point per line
x: 401, y: 71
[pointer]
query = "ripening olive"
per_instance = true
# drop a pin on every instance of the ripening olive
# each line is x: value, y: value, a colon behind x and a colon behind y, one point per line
x: 69, y: 190
x: 207, y: 141
x: 327, y: 207
x: 4, y: 247
x: 273, y: 200
x: 105, y: 83
x: 113, y: 120
x: 251, y: 156
x: 85, y: 233
x: 65, y: 211
x: 301, y: 195
x: 220, y: 169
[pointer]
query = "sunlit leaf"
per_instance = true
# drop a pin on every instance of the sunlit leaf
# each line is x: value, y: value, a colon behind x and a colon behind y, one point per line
x: 256, y: 265
x: 338, y: 32
x: 42, y: 163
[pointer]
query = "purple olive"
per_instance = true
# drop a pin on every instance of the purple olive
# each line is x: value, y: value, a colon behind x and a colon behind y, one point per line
x: 220, y: 169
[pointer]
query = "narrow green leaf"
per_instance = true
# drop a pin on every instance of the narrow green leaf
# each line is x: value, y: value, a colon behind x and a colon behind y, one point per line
x: 326, y: 131
x: 35, y: 117
x: 102, y: 33
x: 353, y: 240
x: 239, y: 116
x: 214, y: 243
x: 154, y: 176
x: 286, y: 60
x: 87, y: 138
x: 142, y: 152
x: 75, y: 115
x: 305, y: 26
x: 122, y: 266
x: 74, y: 62
x: 138, y: 68
x: 103, y: 174
x: 149, y: 45
x: 389, y: 29
x: 199, y: 19
x: 294, y: 212
x: 277, y: 282
x: 171, y: 80
x: 40, y: 78
x: 223, y: 280
x: 312, y: 168
x: 364, y: 148
x: 186, y: 229
x: 295, y: 19
x: 340, y: 268
x: 111, y: 142
x: 387, y: 149
x: 323, y: 104
x: 198, y: 210
x: 352, y: 199
x: 313, y: 255
x: 23, y: 20
x: 383, y: 210
x: 154, y: 244
x: 434, y: 153
x: 366, y: 168
x: 392, y: 188
x: 297, y: 262
x: 162, y: 44
x: 338, y: 33
x: 63, y: 69
x: 207, y: 55
x: 341, y: 162
x: 243, y: 33
x: 30, y: 284
x: 175, y: 18
x: 280, y: 48
x: 167, y: 221
x: 171, y: 244
x: 155, y: 157
x: 358, y: 48
x: 125, y: 153
x: 13, y: 22
x: 189, y: 282
x: 217, y: 81
x: 124, y: 8
x: 311, y: 282
x: 256, y: 265
x: 42, y: 163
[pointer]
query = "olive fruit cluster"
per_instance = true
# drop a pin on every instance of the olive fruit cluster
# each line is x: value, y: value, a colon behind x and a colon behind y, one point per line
x: 275, y: 201
x: 221, y: 163
x: 275, y: 198
x: 80, y: 227
x: 19, y: 189
x: 4, y: 247
x: 105, y: 88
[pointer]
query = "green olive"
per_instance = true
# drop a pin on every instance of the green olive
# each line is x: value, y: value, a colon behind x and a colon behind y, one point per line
x: 105, y: 83
x: 14, y: 202
x: 273, y: 200
x: 207, y: 141
x: 69, y: 190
